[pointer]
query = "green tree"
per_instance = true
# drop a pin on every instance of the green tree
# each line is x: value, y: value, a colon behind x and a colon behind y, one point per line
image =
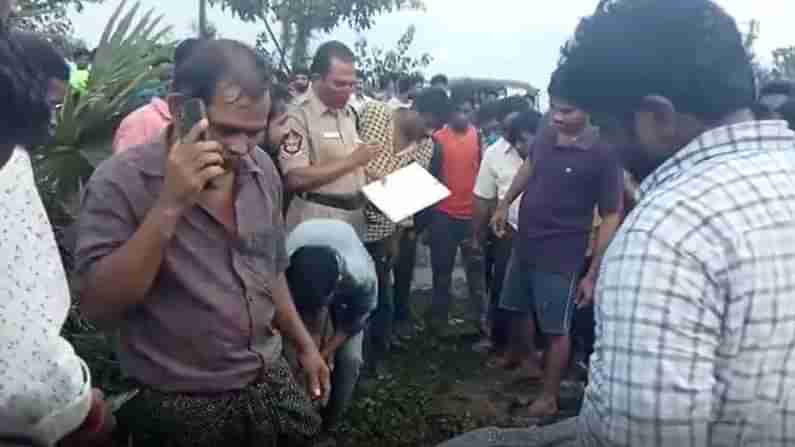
x: 784, y: 63
x: 129, y: 46
x: 47, y: 16
x: 377, y: 63
x: 301, y: 19
x: 749, y: 40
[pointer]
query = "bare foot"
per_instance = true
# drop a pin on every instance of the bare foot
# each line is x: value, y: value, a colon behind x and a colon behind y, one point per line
x: 544, y: 407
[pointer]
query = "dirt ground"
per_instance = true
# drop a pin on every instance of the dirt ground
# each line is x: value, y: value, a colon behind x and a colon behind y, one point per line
x: 439, y: 388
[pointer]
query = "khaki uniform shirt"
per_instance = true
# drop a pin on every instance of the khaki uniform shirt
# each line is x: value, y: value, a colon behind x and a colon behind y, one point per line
x: 320, y: 135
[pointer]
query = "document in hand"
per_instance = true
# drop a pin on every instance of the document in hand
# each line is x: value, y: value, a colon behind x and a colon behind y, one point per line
x: 405, y: 192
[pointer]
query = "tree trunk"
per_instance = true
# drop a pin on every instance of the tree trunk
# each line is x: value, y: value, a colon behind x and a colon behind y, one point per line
x: 301, y: 43
x: 203, y: 19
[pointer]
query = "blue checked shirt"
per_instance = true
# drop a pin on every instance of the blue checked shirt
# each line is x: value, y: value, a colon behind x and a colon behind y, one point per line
x: 696, y: 301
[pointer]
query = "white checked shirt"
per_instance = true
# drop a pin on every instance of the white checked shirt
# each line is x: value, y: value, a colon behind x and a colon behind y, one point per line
x: 500, y: 164
x: 696, y: 301
x: 45, y: 390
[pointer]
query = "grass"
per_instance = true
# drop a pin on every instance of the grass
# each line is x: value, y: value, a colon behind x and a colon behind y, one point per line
x: 438, y: 389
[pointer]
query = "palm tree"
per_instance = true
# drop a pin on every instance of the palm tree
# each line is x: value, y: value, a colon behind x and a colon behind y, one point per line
x: 85, y: 124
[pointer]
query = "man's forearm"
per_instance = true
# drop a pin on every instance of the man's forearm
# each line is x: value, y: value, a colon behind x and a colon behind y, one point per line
x: 122, y: 279
x: 287, y: 319
x: 518, y: 185
x: 480, y: 218
x: 607, y: 229
x: 312, y: 177
x: 336, y: 342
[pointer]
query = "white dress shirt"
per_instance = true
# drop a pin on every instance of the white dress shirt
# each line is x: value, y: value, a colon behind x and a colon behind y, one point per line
x: 45, y: 390
x: 695, y: 303
x: 499, y: 166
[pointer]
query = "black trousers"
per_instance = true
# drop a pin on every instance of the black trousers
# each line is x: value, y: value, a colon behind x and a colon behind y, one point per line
x: 404, y: 275
x: 500, y: 250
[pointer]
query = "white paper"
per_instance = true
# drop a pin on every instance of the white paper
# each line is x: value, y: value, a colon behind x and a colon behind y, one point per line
x: 406, y: 192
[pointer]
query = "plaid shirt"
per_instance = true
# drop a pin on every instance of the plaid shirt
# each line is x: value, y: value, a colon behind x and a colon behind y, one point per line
x: 696, y: 301
x: 378, y: 125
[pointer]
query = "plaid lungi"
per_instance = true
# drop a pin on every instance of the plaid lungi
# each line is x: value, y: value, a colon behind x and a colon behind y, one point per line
x: 272, y: 411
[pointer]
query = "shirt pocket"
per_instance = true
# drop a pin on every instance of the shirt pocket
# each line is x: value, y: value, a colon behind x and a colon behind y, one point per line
x: 255, y: 260
x: 330, y: 145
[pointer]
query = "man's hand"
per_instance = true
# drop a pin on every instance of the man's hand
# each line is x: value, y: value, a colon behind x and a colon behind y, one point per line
x: 328, y: 355
x: 317, y: 371
x: 191, y: 165
x: 499, y: 220
x: 366, y: 152
x: 585, y: 291
x: 97, y: 429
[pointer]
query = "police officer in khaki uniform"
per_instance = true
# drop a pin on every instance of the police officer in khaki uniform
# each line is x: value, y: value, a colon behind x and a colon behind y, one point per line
x: 321, y: 156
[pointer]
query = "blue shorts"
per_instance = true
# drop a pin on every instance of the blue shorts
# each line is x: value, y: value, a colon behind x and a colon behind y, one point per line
x: 547, y: 296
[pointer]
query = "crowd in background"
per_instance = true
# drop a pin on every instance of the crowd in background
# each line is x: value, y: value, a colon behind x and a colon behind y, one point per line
x: 250, y: 282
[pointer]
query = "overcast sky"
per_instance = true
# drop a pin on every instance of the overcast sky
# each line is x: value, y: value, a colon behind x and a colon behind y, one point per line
x: 515, y: 39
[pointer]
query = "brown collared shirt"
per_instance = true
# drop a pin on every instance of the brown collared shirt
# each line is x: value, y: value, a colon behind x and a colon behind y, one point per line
x: 207, y: 322
x: 320, y: 135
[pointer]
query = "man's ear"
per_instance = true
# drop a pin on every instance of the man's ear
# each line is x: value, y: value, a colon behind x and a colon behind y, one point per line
x: 656, y: 116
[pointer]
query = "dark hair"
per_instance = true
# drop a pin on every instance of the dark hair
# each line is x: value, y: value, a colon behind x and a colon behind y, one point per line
x: 778, y: 87
x: 183, y: 51
x: 762, y: 111
x: 690, y: 52
x: 81, y: 52
x: 434, y: 101
x: 38, y: 50
x: 280, y: 93
x: 511, y: 104
x: 488, y: 111
x: 527, y: 121
x: 439, y: 79
x: 300, y: 71
x: 221, y: 59
x: 787, y: 112
x: 330, y: 50
x: 459, y: 102
x: 404, y: 85
x: 312, y: 277
x: 25, y: 113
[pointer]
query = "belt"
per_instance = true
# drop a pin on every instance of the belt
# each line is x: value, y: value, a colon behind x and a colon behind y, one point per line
x: 347, y: 202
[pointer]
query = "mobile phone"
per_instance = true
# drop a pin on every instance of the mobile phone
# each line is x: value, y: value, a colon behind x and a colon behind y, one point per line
x: 191, y: 112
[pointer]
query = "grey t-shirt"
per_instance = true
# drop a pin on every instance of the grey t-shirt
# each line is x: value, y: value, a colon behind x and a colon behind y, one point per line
x: 357, y: 297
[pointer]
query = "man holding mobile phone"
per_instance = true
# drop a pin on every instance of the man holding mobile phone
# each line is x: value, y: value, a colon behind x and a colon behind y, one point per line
x: 181, y: 249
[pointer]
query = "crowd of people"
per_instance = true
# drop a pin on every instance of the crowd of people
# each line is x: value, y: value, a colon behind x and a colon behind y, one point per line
x: 645, y: 224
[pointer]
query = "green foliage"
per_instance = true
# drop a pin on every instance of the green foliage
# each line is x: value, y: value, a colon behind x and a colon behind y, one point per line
x: 324, y: 15
x: 377, y: 63
x: 47, y: 16
x: 86, y: 122
x: 784, y: 62
x: 400, y: 412
x: 301, y: 19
